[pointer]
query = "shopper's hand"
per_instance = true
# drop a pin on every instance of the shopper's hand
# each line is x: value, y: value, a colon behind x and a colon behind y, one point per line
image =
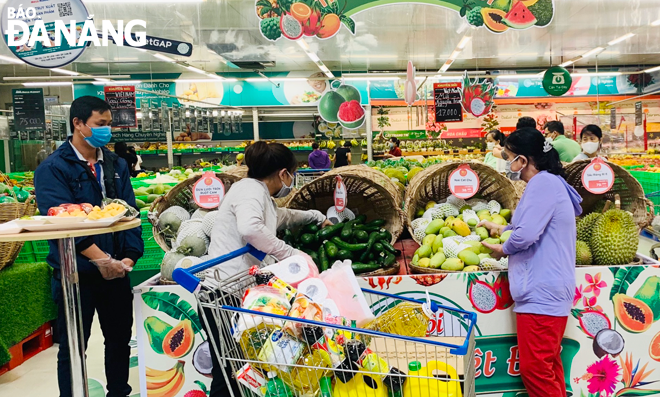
x: 495, y: 229
x: 110, y: 268
x: 326, y: 223
x: 497, y: 253
x: 128, y: 264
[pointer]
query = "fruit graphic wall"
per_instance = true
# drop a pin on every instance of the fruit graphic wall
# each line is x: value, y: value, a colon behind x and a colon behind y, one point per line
x: 322, y: 19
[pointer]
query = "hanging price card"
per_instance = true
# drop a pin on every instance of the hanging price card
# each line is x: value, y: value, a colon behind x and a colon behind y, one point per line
x: 464, y: 182
x: 341, y: 197
x: 598, y: 177
x: 208, y: 191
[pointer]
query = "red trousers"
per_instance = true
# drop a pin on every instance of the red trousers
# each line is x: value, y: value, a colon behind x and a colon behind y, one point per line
x: 539, y: 347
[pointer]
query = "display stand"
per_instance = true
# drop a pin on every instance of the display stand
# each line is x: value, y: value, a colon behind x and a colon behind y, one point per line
x: 71, y: 291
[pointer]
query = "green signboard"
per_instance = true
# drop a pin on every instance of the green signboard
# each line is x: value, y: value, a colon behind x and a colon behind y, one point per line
x: 557, y: 81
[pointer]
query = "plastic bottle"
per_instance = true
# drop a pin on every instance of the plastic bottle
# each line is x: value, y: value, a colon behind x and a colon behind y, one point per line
x: 275, y: 387
x: 326, y: 387
x: 313, y: 366
x: 406, y: 319
x: 253, y: 339
x: 421, y: 381
x: 394, y: 382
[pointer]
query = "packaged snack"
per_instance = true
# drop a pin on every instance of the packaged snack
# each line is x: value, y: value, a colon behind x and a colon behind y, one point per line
x: 251, y: 378
x: 266, y: 299
x: 302, y: 307
x: 265, y: 277
x: 281, y: 351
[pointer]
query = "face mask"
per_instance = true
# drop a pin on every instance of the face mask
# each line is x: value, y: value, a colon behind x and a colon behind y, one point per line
x: 100, y: 136
x: 285, y: 190
x: 490, y: 145
x: 590, y: 147
x: 513, y: 175
x: 391, y: 145
x: 549, y: 139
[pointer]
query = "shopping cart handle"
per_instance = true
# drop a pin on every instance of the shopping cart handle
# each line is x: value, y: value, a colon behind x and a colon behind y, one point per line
x: 187, y: 279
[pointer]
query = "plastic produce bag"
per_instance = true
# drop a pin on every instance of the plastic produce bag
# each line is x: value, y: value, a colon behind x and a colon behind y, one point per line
x: 131, y: 212
x: 111, y: 268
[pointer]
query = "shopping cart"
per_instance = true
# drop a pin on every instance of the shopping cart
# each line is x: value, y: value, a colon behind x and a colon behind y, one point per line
x: 304, y: 176
x: 441, y: 365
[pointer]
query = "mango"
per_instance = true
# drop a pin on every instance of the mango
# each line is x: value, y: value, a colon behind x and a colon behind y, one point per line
x: 469, y: 257
x: 449, y: 221
x: 463, y: 208
x: 461, y: 228
x: 482, y: 213
x: 419, y: 213
x: 471, y: 269
x: 460, y: 216
x: 486, y: 218
x: 506, y: 213
x: 415, y: 260
x: 444, y: 229
x: 453, y: 264
x: 449, y: 233
x: 499, y: 219
x: 424, y: 251
x: 475, y: 246
x: 428, y: 240
x: 437, y: 260
x: 429, y: 205
x: 489, y: 241
x: 434, y: 227
x: 437, y: 244
x: 472, y: 222
x: 482, y: 232
x: 484, y: 256
x: 424, y: 262
x: 505, y: 236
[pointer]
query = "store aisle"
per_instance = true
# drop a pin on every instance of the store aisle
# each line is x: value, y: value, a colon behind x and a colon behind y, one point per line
x: 37, y: 377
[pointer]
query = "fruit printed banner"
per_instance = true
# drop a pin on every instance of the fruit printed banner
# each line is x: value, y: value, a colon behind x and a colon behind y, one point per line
x: 342, y: 105
x: 611, y: 346
x: 477, y: 98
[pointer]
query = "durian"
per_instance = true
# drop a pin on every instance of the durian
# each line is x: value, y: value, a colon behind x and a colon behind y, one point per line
x: 582, y: 254
x: 614, y: 238
x: 585, y: 226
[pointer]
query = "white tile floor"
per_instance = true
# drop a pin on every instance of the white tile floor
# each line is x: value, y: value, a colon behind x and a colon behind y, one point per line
x: 37, y: 377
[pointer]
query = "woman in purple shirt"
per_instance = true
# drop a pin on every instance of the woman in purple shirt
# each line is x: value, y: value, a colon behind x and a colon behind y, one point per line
x: 541, y: 250
x: 318, y: 159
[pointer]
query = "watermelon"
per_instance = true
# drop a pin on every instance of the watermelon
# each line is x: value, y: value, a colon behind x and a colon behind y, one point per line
x: 519, y: 17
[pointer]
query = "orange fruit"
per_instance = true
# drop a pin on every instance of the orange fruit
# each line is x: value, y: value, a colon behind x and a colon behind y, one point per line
x: 654, y: 347
x: 329, y: 26
x: 301, y: 11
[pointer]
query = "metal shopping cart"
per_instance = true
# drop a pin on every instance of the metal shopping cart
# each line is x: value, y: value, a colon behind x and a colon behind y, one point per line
x: 307, y: 175
x: 438, y: 366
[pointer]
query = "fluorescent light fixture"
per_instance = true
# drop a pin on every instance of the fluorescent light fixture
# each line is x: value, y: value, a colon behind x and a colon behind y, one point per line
x: 515, y: 76
x: 64, y: 71
x: 464, y: 41
x: 595, y: 51
x: 49, y: 84
x: 370, y: 78
x: 194, y: 81
x: 194, y: 69
x: 117, y: 82
x: 454, y: 55
x: 446, y: 66
x: 567, y: 63
x: 655, y: 23
x: 655, y: 69
x: 391, y: 56
x: 303, y: 44
x: 599, y: 74
x: 620, y: 39
x: 214, y: 76
x: 261, y: 79
x: 230, y: 80
x: 163, y: 57
x: 313, y: 57
x: 11, y: 59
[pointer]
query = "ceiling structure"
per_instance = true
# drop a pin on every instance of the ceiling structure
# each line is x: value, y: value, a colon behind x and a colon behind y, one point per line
x: 386, y: 37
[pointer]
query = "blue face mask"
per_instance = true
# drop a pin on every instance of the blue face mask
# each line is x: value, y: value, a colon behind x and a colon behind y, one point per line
x: 100, y: 136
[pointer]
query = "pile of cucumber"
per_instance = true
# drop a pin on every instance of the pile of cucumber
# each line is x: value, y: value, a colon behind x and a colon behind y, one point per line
x: 366, y: 244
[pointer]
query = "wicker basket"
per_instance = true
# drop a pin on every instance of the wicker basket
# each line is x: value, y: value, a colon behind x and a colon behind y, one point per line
x: 240, y: 171
x: 625, y: 185
x: 362, y: 170
x: 432, y: 185
x: 8, y: 212
x: 180, y: 195
x: 283, y: 201
x: 364, y: 197
x: 388, y: 271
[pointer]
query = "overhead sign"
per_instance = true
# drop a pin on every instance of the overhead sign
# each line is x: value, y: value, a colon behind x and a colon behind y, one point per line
x: 638, y: 113
x: 477, y: 97
x: 598, y: 177
x: 447, y: 101
x: 464, y: 182
x: 29, y: 110
x: 168, y: 46
x: 208, y: 191
x: 122, y: 101
x: 613, y: 119
x: 557, y: 81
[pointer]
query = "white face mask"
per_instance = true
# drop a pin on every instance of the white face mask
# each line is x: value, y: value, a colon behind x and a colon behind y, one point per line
x: 549, y: 139
x: 285, y: 190
x: 512, y: 175
x: 590, y: 147
x: 490, y: 145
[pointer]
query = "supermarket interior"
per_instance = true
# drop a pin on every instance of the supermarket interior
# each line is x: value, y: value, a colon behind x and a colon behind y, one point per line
x: 401, y: 245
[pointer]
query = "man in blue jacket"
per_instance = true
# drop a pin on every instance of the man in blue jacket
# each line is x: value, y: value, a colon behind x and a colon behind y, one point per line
x: 82, y: 170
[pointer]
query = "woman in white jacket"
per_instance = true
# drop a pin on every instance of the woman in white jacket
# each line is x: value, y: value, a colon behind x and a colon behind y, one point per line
x: 248, y: 214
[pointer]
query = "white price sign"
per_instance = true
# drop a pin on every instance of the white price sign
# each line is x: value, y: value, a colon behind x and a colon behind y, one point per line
x: 464, y: 182
x: 598, y: 177
x: 208, y: 191
x: 341, y: 197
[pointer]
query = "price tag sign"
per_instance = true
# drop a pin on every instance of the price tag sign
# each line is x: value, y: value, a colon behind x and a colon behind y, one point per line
x: 208, y: 191
x: 29, y: 110
x: 341, y: 197
x: 464, y: 182
x: 447, y: 102
x: 122, y: 101
x: 598, y: 177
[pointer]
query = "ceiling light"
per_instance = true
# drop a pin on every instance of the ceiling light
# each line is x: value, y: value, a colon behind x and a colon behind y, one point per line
x: 655, y: 69
x: 314, y: 57
x: 370, y: 78
x: 567, y: 63
x: 514, y: 76
x: 230, y: 80
x: 194, y: 69
x: 303, y: 44
x: 117, y: 82
x: 463, y: 42
x: 163, y: 57
x: 620, y: 39
x: 598, y: 74
x: 592, y: 52
x: 391, y: 56
x: 64, y: 71
x: 214, y: 76
x: 194, y: 81
x: 454, y: 55
x: 655, y: 23
x: 10, y: 59
x: 262, y: 79
x: 50, y: 84
x: 446, y: 66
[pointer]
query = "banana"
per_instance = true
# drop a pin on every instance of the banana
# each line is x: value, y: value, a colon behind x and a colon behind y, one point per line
x: 171, y: 388
x: 160, y: 380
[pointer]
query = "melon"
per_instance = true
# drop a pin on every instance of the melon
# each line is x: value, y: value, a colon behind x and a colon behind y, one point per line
x: 291, y: 28
x: 351, y: 115
x: 348, y: 92
x: 208, y: 222
x: 192, y: 223
x: 171, y: 219
x: 329, y: 106
x: 199, y: 213
x: 169, y: 264
x: 520, y: 17
x: 192, y: 240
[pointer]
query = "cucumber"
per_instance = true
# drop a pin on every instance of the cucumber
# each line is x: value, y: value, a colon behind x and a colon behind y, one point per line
x: 342, y: 245
x: 311, y: 228
x: 308, y: 239
x: 387, y: 259
x: 361, y: 236
x: 330, y: 249
x: 385, y: 235
x: 323, y: 259
x: 377, y: 248
x: 359, y: 267
x: 330, y: 231
x: 344, y: 254
x: 373, y: 237
x: 347, y: 231
x: 388, y: 246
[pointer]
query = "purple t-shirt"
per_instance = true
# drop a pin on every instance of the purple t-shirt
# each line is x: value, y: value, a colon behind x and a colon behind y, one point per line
x: 319, y: 159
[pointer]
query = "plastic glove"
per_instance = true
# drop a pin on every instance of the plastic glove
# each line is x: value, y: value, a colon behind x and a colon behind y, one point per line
x: 110, y: 268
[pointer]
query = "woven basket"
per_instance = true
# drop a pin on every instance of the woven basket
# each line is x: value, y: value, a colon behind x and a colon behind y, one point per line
x: 180, y: 195
x: 8, y: 212
x: 625, y: 185
x: 432, y: 185
x: 362, y: 170
x: 364, y: 197
x: 240, y: 171
x: 283, y: 201
x: 389, y: 271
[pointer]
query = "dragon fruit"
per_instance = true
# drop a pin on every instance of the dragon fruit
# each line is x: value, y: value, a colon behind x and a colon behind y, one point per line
x: 592, y: 321
x: 501, y: 286
x: 483, y: 297
x: 477, y: 97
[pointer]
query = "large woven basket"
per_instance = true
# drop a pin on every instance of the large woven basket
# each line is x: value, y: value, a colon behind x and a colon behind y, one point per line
x: 432, y: 185
x: 283, y: 201
x: 180, y: 195
x: 240, y: 171
x: 362, y: 170
x: 625, y: 185
x: 8, y: 212
x: 364, y: 197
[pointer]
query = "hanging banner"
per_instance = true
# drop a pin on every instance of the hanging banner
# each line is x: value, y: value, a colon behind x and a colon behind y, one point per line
x: 341, y: 197
x: 598, y: 177
x: 29, y: 110
x: 447, y: 101
x: 168, y: 46
x: 638, y: 113
x: 477, y: 97
x: 342, y: 105
x: 208, y: 191
x: 410, y: 87
x: 122, y: 101
x: 464, y: 182
x: 557, y: 81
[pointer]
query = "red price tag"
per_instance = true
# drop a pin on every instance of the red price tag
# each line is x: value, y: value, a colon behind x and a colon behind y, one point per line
x: 341, y: 197
x: 208, y: 191
x: 598, y: 177
x: 464, y: 182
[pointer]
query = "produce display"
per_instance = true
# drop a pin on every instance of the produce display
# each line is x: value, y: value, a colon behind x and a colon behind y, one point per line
x: 364, y: 243
x: 606, y: 239
x: 111, y: 208
x: 401, y: 170
x: 450, y: 239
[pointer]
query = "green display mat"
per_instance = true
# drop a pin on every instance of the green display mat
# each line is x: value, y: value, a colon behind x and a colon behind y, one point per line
x: 26, y: 303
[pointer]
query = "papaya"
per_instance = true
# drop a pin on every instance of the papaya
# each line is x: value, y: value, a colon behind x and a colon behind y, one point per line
x: 494, y: 19
x: 633, y: 314
x: 179, y: 341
